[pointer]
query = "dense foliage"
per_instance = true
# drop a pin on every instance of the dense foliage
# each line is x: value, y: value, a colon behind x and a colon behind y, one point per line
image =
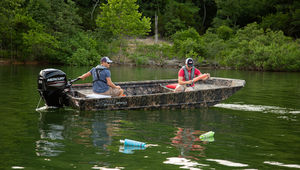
x: 250, y: 48
x: 244, y: 34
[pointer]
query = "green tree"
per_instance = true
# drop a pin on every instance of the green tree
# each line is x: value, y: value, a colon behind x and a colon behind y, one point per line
x: 274, y: 14
x: 60, y: 19
x: 208, y: 10
x: 286, y: 18
x: 224, y: 32
x: 87, y: 10
x: 122, y: 19
x: 180, y: 16
x: 187, y: 42
x: 256, y: 49
x: 8, y: 10
x: 150, y: 7
x: 34, y: 42
x: 175, y: 15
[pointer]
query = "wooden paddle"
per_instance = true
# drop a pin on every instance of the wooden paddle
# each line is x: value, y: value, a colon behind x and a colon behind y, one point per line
x: 201, y: 77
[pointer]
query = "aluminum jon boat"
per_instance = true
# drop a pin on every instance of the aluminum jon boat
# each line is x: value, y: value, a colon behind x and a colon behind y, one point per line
x: 153, y: 94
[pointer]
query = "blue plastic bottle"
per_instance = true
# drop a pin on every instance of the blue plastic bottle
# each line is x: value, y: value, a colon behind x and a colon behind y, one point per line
x: 130, y: 149
x: 133, y: 143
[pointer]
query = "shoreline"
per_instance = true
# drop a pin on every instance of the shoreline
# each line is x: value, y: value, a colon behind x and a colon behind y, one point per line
x: 10, y: 62
x: 174, y: 63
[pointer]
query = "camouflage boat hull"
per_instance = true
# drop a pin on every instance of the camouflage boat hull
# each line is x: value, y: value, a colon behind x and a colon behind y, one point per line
x: 154, y: 95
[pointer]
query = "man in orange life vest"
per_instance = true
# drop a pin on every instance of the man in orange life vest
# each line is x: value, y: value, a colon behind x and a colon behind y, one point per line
x: 188, y: 75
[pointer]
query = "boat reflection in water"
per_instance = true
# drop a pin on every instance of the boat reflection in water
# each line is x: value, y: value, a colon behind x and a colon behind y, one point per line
x: 51, y: 137
x: 57, y: 130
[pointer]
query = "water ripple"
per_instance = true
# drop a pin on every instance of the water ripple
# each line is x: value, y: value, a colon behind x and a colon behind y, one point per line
x: 185, y: 163
x: 227, y: 163
x: 105, y: 168
x: 258, y: 108
x: 281, y: 164
x: 17, y: 167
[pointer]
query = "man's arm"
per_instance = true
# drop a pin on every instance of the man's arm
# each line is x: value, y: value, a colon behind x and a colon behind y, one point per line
x: 85, y: 75
x: 111, y: 84
x: 204, y: 76
x: 182, y: 82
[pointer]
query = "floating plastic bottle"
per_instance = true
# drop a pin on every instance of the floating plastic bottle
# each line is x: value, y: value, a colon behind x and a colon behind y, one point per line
x: 127, y: 149
x: 206, y: 135
x: 133, y: 143
x: 209, y: 139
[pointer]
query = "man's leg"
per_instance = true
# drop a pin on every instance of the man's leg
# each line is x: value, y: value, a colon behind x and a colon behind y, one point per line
x: 189, y: 89
x: 179, y: 88
x: 117, y: 92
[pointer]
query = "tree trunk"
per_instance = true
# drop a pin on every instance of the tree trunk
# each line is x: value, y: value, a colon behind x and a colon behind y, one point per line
x: 11, y: 53
x: 120, y: 52
x: 156, y: 29
x: 204, y: 14
x: 92, y: 13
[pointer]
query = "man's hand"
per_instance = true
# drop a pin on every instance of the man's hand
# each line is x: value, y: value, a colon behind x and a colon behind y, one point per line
x: 189, y: 82
x: 207, y: 76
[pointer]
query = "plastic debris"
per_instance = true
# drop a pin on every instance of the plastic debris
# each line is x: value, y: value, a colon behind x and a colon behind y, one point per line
x: 133, y: 143
x: 128, y: 149
x: 207, y: 135
x: 209, y: 139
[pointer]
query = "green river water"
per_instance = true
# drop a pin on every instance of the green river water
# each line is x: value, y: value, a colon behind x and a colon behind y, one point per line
x: 256, y: 128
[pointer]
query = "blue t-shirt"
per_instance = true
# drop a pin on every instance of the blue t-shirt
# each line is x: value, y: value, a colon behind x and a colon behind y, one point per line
x: 100, y: 85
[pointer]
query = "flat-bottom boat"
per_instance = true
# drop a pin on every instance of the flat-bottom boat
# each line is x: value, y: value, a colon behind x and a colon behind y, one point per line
x: 151, y: 94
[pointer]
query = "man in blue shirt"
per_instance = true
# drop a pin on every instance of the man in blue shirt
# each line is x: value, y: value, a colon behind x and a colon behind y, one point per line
x: 102, y: 83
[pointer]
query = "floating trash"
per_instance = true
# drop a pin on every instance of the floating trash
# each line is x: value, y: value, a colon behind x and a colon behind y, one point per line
x: 209, y: 139
x: 207, y: 135
x: 127, y: 149
x: 133, y: 143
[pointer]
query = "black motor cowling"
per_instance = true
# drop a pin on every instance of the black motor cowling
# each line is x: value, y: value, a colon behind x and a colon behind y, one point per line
x: 51, y: 85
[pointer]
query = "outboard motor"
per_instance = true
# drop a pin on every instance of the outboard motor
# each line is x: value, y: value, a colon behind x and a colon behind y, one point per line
x: 51, y: 85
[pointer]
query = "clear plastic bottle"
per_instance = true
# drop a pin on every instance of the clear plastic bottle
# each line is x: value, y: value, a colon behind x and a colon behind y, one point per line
x: 207, y: 135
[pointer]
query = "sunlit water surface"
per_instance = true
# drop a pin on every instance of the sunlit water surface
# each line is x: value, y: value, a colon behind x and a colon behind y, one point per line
x: 257, y: 128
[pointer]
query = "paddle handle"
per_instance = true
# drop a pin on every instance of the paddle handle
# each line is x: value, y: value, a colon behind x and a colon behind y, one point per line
x: 70, y: 82
x: 201, y: 77
x: 74, y: 80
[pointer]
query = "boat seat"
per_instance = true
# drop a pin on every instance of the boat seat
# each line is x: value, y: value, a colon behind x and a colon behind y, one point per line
x: 97, y: 96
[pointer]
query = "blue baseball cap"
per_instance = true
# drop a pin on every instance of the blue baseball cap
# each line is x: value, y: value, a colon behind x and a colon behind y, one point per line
x: 106, y: 59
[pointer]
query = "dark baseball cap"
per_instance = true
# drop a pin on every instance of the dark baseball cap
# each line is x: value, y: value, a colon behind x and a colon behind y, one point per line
x: 189, y: 62
x: 106, y: 59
